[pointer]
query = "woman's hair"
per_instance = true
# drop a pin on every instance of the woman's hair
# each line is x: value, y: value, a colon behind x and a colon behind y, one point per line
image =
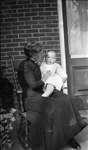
x: 32, y: 48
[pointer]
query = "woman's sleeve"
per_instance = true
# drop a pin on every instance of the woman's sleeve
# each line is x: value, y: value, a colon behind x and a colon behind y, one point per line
x: 30, y: 78
x: 42, y: 69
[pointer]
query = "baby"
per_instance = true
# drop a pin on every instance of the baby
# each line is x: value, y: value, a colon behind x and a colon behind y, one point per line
x: 52, y: 74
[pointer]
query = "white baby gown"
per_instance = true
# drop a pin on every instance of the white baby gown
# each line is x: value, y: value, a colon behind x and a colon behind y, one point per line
x: 57, y: 74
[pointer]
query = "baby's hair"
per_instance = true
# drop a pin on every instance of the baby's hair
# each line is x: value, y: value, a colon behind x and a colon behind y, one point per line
x: 46, y: 52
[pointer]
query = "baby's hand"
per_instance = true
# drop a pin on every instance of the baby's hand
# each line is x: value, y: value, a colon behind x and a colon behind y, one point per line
x: 46, y: 75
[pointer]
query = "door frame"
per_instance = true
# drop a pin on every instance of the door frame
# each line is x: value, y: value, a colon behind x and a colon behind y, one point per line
x: 74, y: 65
x: 68, y: 58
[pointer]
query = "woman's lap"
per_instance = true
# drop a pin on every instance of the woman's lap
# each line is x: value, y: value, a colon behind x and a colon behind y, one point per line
x: 58, y: 115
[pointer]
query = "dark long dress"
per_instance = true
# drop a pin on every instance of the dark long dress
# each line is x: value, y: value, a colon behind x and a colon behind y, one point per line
x: 55, y: 116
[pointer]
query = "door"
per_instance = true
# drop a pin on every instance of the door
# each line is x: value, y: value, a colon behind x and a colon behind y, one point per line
x: 75, y: 16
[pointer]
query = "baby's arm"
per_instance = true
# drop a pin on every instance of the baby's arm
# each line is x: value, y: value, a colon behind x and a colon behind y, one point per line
x: 62, y: 73
x: 46, y: 75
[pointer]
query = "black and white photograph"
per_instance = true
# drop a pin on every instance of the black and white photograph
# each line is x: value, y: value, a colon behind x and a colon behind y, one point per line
x: 44, y: 74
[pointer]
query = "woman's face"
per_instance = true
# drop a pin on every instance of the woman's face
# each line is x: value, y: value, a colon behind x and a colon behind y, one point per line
x: 38, y: 57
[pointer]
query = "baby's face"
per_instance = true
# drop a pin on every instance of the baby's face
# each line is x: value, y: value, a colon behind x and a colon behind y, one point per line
x: 51, y: 57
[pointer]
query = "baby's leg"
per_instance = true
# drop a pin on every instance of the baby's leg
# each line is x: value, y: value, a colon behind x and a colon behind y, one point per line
x: 48, y: 91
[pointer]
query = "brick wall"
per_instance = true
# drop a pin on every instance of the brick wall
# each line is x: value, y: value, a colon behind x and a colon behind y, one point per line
x: 23, y: 20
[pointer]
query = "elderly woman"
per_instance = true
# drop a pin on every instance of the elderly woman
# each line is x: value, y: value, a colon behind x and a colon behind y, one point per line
x: 53, y: 119
x: 29, y: 77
